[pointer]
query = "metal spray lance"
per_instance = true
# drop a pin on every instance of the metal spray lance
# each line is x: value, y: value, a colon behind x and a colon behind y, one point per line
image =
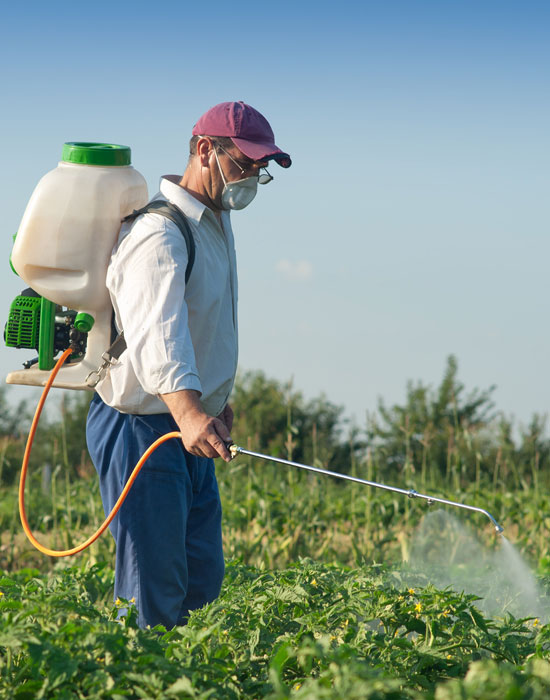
x: 411, y: 493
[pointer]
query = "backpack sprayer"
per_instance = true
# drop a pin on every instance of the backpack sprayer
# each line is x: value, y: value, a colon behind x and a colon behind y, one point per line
x: 62, y: 251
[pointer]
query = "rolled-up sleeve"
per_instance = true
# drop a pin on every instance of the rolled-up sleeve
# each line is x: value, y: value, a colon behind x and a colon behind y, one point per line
x: 146, y: 279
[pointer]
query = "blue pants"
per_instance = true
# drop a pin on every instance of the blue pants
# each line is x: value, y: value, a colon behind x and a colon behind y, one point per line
x: 169, y: 554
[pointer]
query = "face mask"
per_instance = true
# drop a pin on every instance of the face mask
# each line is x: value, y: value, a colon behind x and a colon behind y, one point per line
x: 238, y: 194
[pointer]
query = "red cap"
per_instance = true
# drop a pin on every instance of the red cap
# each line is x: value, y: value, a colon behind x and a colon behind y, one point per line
x: 246, y: 127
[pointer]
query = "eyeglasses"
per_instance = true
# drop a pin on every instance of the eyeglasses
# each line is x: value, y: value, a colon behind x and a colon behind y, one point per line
x: 263, y: 178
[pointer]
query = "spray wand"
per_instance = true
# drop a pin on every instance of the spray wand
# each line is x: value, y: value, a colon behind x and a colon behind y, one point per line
x: 411, y: 493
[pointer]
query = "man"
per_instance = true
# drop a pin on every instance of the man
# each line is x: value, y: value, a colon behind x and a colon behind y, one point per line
x: 177, y: 371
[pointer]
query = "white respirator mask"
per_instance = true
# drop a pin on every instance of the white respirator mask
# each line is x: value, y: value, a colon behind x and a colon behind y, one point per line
x: 237, y: 194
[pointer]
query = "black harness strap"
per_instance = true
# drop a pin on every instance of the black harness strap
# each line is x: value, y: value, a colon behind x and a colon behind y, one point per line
x: 172, y: 212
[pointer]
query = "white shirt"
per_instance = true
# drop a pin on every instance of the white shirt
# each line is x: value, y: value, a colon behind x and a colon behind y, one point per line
x: 177, y: 337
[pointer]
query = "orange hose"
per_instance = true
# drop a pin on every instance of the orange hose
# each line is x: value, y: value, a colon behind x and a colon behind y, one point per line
x: 25, y: 465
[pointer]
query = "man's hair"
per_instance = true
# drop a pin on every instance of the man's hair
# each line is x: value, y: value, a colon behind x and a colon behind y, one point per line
x: 223, y: 141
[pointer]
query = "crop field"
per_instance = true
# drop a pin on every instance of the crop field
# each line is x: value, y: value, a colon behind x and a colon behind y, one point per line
x: 332, y: 589
x: 307, y: 631
x: 318, y: 602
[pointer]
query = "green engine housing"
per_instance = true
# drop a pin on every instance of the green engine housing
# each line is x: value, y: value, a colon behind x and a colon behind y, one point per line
x: 23, y: 325
x: 37, y: 323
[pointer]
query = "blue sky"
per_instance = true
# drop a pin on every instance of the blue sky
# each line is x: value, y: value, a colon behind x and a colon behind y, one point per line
x: 414, y: 221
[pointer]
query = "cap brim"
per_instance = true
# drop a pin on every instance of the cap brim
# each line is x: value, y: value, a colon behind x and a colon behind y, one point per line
x: 262, y: 151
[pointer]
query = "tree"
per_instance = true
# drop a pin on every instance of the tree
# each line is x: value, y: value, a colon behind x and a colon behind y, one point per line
x: 427, y: 431
x: 273, y: 418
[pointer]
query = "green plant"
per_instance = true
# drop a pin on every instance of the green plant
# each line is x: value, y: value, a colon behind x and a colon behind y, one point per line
x: 308, y: 631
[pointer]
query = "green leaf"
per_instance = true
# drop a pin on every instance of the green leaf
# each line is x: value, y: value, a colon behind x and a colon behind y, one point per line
x: 182, y: 685
x: 478, y: 619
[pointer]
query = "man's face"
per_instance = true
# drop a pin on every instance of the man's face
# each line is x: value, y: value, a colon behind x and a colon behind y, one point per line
x: 230, y: 163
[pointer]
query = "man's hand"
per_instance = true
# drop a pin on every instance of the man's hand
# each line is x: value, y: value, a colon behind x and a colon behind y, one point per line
x: 202, y: 435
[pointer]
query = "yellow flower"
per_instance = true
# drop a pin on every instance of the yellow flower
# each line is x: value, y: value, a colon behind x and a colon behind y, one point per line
x: 1, y: 594
x: 411, y: 591
x: 536, y: 622
x: 418, y: 607
x: 118, y: 601
x: 400, y: 597
x: 449, y: 656
x: 445, y: 613
x: 297, y: 686
x: 314, y: 582
x: 132, y: 600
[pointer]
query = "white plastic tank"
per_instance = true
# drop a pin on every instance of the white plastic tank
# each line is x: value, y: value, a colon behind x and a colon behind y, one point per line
x: 71, y: 223
x: 66, y: 236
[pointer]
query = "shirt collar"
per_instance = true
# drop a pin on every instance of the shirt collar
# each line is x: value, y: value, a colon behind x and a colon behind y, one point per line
x: 190, y: 206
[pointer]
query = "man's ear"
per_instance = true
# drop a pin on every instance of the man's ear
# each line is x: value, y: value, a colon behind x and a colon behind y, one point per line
x: 204, y: 149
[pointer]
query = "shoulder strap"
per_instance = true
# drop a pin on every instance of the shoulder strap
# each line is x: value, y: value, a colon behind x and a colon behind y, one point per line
x: 174, y: 213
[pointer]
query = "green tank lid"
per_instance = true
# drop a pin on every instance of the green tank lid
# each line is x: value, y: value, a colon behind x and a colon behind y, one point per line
x: 105, y: 154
